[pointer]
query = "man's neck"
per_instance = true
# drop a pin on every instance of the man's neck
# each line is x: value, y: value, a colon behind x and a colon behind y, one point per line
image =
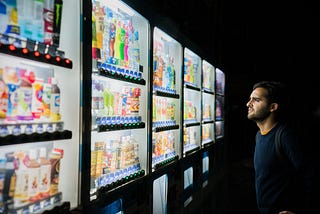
x: 266, y: 126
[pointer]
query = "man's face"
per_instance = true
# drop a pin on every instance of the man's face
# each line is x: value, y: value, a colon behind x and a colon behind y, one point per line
x: 258, y: 106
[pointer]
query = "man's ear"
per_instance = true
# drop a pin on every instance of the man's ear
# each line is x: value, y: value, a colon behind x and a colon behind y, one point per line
x: 273, y: 107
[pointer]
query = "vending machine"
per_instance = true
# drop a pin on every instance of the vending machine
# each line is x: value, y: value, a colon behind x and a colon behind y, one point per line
x: 208, y: 104
x: 192, y: 129
x: 208, y: 127
x: 219, y: 119
x: 192, y: 101
x: 166, y: 121
x: 116, y: 126
x: 39, y: 105
x: 208, y: 120
x: 219, y: 102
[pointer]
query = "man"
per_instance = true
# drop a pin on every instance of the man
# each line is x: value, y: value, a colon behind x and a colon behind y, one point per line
x: 275, y: 176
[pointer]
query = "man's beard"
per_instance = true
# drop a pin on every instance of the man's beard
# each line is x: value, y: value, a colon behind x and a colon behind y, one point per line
x: 259, y: 116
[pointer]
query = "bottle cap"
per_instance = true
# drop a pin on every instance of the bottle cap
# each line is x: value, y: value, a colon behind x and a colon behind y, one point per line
x: 54, y: 81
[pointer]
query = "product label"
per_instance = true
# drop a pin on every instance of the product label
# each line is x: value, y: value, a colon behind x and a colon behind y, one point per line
x: 45, y: 173
x: 55, y: 170
x: 37, y: 94
x: 33, y: 184
x: 24, y: 103
x: 21, y: 187
x: 55, y: 103
x: 12, y: 101
x: 48, y: 25
x: 3, y: 99
x: 46, y: 99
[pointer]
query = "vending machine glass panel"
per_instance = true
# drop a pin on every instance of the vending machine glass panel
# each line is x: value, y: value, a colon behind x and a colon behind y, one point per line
x: 192, y: 112
x: 119, y: 100
x: 160, y: 194
x: 205, y: 168
x: 208, y: 103
x: 166, y: 98
x: 220, y: 81
x: 219, y: 107
x: 188, y: 184
x: 219, y: 129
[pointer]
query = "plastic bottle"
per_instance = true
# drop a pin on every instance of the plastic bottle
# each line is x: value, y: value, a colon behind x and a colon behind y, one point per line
x: 45, y: 173
x: 101, y: 108
x: 25, y: 18
x: 33, y: 172
x: 13, y: 28
x: 25, y: 95
x: 95, y: 98
x: 2, y: 176
x: 108, y: 96
x: 122, y: 40
x: 105, y: 52
x: 10, y: 76
x: 55, y: 101
x: 37, y: 94
x: 46, y: 98
x: 3, y: 18
x: 48, y: 8
x: 117, y: 40
x: 171, y: 74
x: 126, y: 47
x: 136, y: 47
x: 99, y: 24
x: 22, y: 177
x: 3, y: 97
x: 112, y: 36
x: 38, y: 22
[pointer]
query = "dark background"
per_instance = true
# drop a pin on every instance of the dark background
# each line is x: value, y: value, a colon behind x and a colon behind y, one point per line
x: 249, y: 41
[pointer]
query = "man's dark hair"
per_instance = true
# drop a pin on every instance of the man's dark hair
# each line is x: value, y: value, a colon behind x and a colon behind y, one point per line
x: 277, y: 92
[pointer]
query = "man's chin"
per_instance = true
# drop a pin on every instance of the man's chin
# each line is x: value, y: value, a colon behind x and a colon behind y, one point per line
x: 251, y: 118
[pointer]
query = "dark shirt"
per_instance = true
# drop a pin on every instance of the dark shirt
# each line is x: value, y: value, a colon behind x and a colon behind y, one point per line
x: 276, y: 178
